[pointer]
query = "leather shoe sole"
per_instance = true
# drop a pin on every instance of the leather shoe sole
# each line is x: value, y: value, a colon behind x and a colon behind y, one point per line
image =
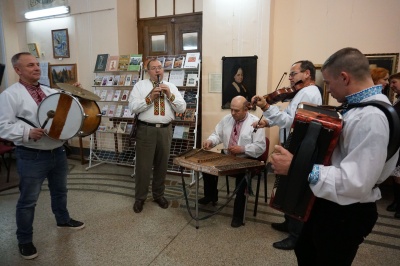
x: 138, y: 206
x: 162, y: 202
x: 285, y: 244
x: 282, y: 227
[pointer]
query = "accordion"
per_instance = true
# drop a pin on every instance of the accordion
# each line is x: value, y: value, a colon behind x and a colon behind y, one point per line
x: 314, y: 135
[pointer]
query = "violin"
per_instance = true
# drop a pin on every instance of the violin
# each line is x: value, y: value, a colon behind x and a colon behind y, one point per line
x: 284, y: 94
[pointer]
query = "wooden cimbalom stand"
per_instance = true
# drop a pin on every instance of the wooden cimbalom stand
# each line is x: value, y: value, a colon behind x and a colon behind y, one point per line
x: 217, y: 164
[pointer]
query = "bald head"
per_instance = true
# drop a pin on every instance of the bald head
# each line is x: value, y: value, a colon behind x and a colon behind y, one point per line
x: 239, y: 107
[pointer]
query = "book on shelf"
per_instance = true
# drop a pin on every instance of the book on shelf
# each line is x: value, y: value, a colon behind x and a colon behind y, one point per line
x: 190, y: 97
x: 121, y: 127
x: 162, y: 60
x: 186, y: 132
x: 110, y: 95
x: 110, y: 127
x: 191, y: 80
x: 110, y: 80
x: 101, y: 128
x: 125, y: 95
x: 165, y: 76
x: 127, y: 112
x: 112, y: 63
x: 104, y: 109
x: 103, y: 95
x: 177, y: 77
x: 128, y: 79
x: 121, y: 81
x: 169, y: 62
x: 128, y: 128
x: 111, y: 110
x: 97, y: 80
x: 179, y: 131
x: 192, y: 60
x: 101, y: 62
x: 118, y: 111
x: 123, y: 62
x: 134, y: 62
x: 117, y: 93
x: 189, y: 114
x: 116, y: 80
x: 104, y: 81
x: 135, y: 79
x: 179, y: 61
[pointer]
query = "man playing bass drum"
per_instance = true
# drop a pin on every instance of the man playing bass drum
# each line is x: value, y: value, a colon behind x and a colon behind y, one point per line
x: 302, y: 78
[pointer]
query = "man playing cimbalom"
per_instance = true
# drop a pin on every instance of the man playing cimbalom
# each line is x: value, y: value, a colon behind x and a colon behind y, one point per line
x: 156, y: 103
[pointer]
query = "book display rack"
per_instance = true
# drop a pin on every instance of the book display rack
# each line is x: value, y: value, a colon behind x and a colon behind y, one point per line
x: 111, y: 143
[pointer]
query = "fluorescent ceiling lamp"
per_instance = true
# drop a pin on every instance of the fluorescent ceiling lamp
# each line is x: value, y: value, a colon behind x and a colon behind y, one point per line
x: 54, y: 11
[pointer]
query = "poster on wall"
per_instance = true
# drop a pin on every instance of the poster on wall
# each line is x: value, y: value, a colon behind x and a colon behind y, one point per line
x: 239, y: 77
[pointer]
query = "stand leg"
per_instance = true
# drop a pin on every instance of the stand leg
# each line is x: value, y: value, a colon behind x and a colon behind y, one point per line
x: 197, y: 195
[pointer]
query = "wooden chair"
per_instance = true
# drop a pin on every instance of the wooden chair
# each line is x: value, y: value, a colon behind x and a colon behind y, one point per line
x: 6, y: 147
x: 263, y: 158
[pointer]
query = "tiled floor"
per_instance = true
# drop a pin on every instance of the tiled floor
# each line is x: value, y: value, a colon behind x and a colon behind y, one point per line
x: 102, y: 197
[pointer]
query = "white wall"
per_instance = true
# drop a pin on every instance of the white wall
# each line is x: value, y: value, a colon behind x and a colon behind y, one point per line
x: 279, y: 32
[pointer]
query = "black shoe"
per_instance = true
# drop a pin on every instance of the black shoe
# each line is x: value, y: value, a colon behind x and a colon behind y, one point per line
x: 162, y: 202
x: 28, y: 251
x: 237, y: 222
x: 72, y: 224
x: 282, y: 227
x: 138, y: 206
x: 286, y: 244
x: 205, y: 201
x: 392, y: 207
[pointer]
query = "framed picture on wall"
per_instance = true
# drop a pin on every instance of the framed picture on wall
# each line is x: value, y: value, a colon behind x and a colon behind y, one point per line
x: 319, y: 82
x: 64, y: 73
x: 32, y: 47
x: 239, y: 77
x: 60, y: 41
x: 388, y: 61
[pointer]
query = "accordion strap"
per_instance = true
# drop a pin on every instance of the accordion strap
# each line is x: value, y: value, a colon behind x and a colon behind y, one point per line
x: 393, y: 119
x: 303, y: 160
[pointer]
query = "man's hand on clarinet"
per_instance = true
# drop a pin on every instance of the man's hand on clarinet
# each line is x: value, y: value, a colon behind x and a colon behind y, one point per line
x: 281, y: 160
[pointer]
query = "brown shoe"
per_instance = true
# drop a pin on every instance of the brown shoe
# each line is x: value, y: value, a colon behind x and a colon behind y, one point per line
x: 138, y: 206
x: 162, y: 202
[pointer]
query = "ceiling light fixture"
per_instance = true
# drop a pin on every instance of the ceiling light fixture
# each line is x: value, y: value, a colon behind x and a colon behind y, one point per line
x: 54, y: 11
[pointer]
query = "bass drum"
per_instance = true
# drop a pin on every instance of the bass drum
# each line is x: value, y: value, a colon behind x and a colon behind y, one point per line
x: 72, y: 116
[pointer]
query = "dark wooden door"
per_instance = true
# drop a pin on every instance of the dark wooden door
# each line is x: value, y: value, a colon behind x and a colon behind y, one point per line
x: 170, y: 35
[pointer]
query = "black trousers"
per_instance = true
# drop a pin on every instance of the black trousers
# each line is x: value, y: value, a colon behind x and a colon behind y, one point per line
x: 211, y: 192
x: 334, y: 232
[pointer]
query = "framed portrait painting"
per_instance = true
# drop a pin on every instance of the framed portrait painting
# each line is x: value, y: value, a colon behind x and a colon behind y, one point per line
x: 64, y: 73
x: 239, y: 77
x: 60, y: 41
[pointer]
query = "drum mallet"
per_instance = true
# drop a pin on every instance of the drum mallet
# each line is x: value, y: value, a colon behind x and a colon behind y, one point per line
x: 50, y: 114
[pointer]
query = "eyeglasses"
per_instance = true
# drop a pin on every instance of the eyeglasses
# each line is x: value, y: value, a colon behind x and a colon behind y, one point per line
x: 156, y: 68
x: 292, y: 74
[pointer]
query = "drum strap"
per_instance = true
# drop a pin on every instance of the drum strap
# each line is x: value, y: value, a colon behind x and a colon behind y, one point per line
x: 27, y: 121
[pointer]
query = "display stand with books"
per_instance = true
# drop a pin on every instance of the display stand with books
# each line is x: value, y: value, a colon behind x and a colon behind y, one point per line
x: 113, y: 82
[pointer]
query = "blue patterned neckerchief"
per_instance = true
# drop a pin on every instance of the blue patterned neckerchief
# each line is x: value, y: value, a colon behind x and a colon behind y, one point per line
x: 361, y: 95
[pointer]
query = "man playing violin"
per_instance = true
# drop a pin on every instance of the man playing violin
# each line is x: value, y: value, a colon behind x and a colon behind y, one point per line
x: 344, y: 212
x: 302, y: 78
